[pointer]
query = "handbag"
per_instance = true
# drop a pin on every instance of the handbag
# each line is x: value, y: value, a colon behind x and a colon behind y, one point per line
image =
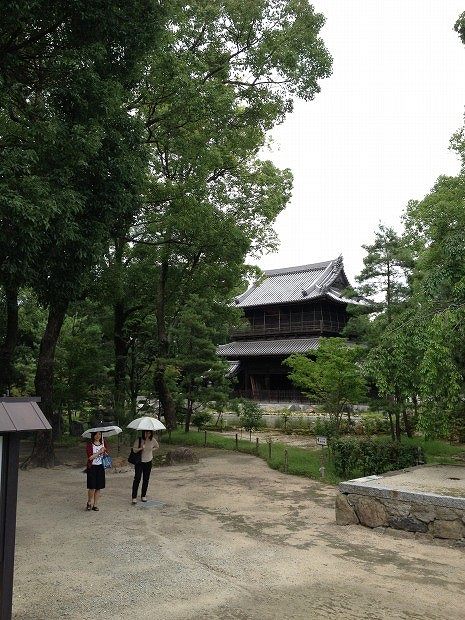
x: 135, y: 457
x: 106, y: 461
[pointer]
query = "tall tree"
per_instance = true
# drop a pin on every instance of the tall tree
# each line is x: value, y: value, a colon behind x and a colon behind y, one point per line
x: 228, y: 73
x: 332, y: 374
x: 385, y: 269
x: 439, y: 300
x: 202, y: 374
x: 393, y: 365
x: 68, y: 70
x: 61, y: 64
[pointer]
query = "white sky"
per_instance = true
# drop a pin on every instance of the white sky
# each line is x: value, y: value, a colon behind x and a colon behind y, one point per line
x: 377, y: 134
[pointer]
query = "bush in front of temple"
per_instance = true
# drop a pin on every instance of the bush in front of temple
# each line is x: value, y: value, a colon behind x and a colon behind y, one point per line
x: 352, y: 457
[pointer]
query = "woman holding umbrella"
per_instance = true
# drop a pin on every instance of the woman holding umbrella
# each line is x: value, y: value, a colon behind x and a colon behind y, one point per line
x: 96, y: 450
x: 144, y: 446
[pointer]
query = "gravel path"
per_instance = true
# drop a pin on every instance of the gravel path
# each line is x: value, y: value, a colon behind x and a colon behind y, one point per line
x: 234, y: 540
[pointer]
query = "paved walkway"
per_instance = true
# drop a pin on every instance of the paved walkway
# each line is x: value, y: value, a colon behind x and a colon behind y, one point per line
x: 232, y: 540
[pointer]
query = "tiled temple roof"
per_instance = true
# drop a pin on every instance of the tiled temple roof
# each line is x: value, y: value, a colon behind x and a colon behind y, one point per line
x: 284, y: 346
x: 293, y: 284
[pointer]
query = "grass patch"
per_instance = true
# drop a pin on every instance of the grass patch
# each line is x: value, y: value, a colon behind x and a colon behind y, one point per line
x: 437, y: 450
x: 300, y: 462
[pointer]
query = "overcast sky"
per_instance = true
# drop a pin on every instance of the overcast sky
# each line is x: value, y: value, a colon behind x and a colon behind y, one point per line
x: 377, y: 134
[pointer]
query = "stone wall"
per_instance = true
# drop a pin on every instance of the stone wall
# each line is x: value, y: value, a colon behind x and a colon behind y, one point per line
x: 412, y: 512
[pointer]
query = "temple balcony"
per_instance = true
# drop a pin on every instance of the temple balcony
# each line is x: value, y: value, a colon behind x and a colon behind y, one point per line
x: 323, y: 326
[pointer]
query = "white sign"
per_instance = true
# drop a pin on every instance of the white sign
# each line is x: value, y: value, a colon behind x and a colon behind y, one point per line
x: 321, y: 441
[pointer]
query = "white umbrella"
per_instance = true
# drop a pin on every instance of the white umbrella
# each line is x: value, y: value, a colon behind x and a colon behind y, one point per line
x: 107, y: 431
x: 147, y: 423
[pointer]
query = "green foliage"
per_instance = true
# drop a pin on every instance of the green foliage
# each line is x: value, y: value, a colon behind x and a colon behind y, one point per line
x: 386, y: 268
x: 202, y: 419
x: 439, y: 297
x: 438, y: 451
x: 442, y: 381
x: 326, y: 427
x: 284, y: 419
x: 130, y: 177
x: 233, y: 69
x: 82, y: 363
x: 353, y: 457
x: 69, y: 144
x: 333, y: 377
x: 373, y: 424
x: 249, y: 413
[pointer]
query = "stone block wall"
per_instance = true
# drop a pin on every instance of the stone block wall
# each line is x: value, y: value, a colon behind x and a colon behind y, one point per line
x: 411, y: 512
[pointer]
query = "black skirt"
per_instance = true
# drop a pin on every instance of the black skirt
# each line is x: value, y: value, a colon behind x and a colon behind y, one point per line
x: 96, y: 477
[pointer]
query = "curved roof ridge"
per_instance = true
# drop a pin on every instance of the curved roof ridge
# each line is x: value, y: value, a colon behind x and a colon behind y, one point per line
x: 327, y: 277
x: 297, y: 269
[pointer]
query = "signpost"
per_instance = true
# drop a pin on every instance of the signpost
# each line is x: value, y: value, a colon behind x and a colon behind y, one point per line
x: 16, y: 415
x: 323, y: 442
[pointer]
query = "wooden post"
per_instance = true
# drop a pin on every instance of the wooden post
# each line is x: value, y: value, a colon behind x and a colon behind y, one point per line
x: 9, y: 492
x: 205, y: 440
x: 237, y: 443
x: 256, y: 445
x: 250, y: 434
x: 269, y: 448
x: 286, y: 463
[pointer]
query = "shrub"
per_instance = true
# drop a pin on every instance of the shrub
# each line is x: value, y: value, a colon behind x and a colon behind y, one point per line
x: 283, y: 420
x: 201, y: 419
x: 326, y: 427
x: 374, y: 424
x: 352, y: 457
x: 250, y: 415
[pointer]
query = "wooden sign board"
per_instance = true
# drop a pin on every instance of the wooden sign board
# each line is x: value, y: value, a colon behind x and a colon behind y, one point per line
x: 16, y: 415
x: 321, y: 441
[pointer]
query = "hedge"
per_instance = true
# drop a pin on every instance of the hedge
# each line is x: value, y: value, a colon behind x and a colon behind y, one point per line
x: 352, y: 457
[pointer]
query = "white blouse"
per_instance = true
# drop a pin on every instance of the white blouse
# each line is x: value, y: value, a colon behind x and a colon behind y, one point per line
x: 98, y: 459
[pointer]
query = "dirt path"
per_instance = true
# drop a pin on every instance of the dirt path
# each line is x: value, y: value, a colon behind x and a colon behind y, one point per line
x: 300, y: 441
x: 234, y: 540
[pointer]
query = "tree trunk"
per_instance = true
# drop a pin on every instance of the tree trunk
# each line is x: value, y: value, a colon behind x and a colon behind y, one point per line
x: 120, y: 342
x: 9, y: 343
x: 398, y: 430
x: 398, y: 404
x: 166, y: 398
x: 121, y: 347
x: 164, y: 392
x: 43, y: 453
x: 407, y: 423
x: 391, y: 424
x: 388, y: 292
x: 190, y: 406
x: 415, y: 409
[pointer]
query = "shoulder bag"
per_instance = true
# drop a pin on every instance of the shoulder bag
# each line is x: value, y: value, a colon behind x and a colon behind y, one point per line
x: 106, y: 461
x: 135, y: 457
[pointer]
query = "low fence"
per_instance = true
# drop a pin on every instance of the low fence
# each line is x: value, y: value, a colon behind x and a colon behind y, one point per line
x: 312, y: 463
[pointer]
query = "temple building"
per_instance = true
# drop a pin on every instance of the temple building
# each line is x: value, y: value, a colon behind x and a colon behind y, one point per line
x: 285, y: 312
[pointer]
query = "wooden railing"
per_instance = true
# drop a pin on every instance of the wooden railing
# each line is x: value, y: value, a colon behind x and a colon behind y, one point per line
x: 297, y: 327
x: 272, y: 396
